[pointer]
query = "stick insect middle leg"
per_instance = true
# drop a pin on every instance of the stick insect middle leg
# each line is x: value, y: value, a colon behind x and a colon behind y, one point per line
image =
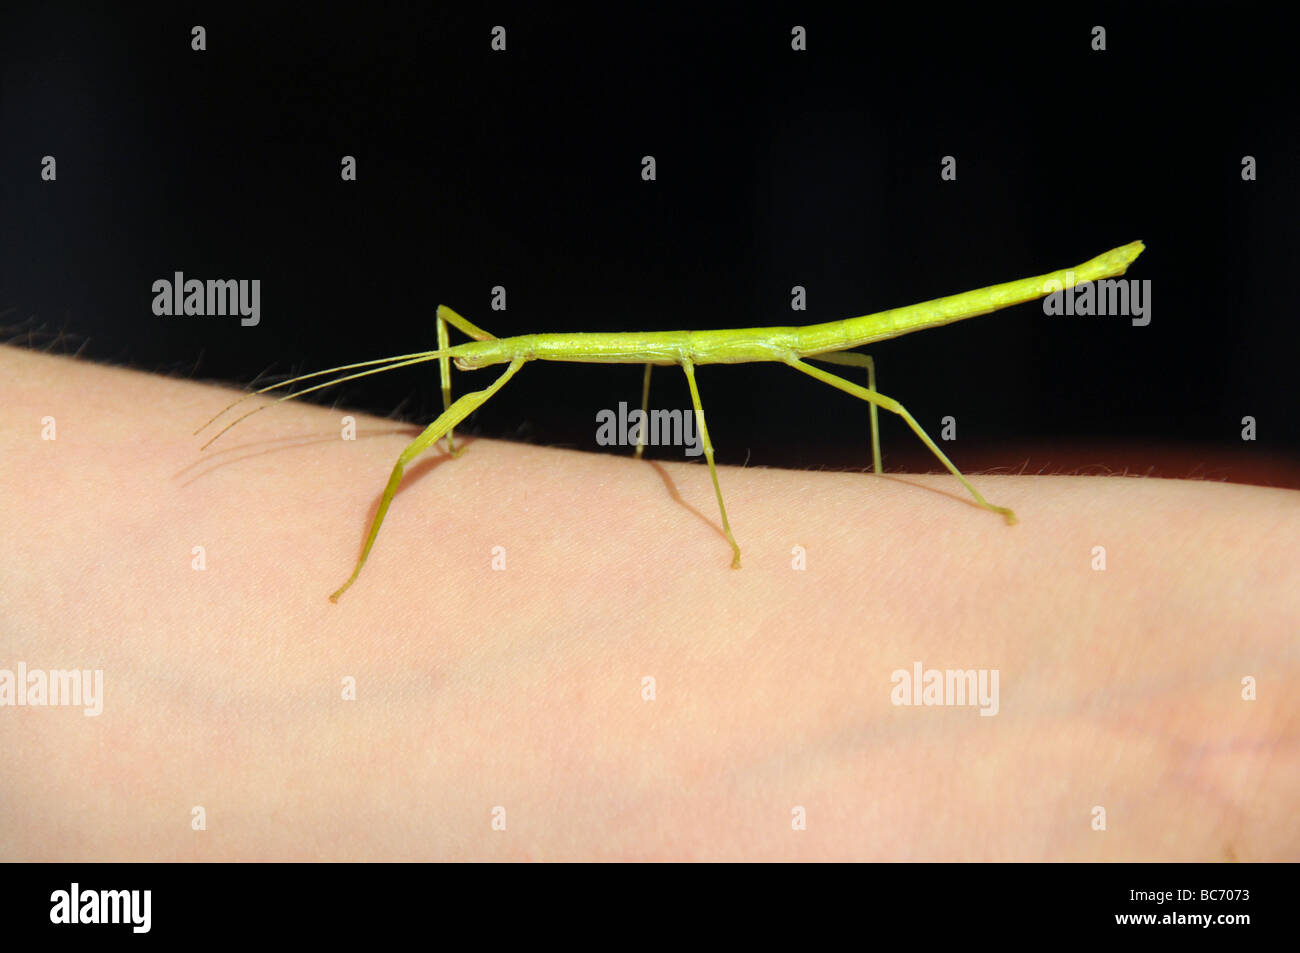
x: 645, y: 413
x: 447, y: 316
x: 857, y: 390
x: 689, y: 368
x: 858, y: 359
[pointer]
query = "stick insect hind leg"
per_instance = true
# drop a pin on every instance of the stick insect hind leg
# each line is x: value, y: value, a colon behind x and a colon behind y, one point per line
x: 447, y: 316
x: 458, y: 411
x: 857, y: 390
x: 858, y: 359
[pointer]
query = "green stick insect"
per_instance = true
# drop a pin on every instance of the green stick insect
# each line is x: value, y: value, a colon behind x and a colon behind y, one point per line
x: 828, y: 343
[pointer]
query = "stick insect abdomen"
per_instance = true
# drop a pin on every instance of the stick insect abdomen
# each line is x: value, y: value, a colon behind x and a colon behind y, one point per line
x: 855, y: 332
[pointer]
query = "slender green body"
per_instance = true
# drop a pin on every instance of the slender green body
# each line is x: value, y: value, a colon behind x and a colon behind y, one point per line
x: 743, y: 345
x: 828, y: 343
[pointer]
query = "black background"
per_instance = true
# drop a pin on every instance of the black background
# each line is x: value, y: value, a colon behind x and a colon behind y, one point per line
x: 775, y: 168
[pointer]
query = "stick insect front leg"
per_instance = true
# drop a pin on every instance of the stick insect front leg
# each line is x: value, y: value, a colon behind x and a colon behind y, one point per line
x: 689, y: 368
x: 458, y: 411
x: 447, y: 316
x: 894, y: 406
x: 858, y: 359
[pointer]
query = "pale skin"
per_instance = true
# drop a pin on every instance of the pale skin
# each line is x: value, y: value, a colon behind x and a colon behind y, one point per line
x: 829, y: 343
x: 523, y: 688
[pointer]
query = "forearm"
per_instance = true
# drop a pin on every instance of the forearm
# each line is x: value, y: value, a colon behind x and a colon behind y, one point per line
x: 523, y: 687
